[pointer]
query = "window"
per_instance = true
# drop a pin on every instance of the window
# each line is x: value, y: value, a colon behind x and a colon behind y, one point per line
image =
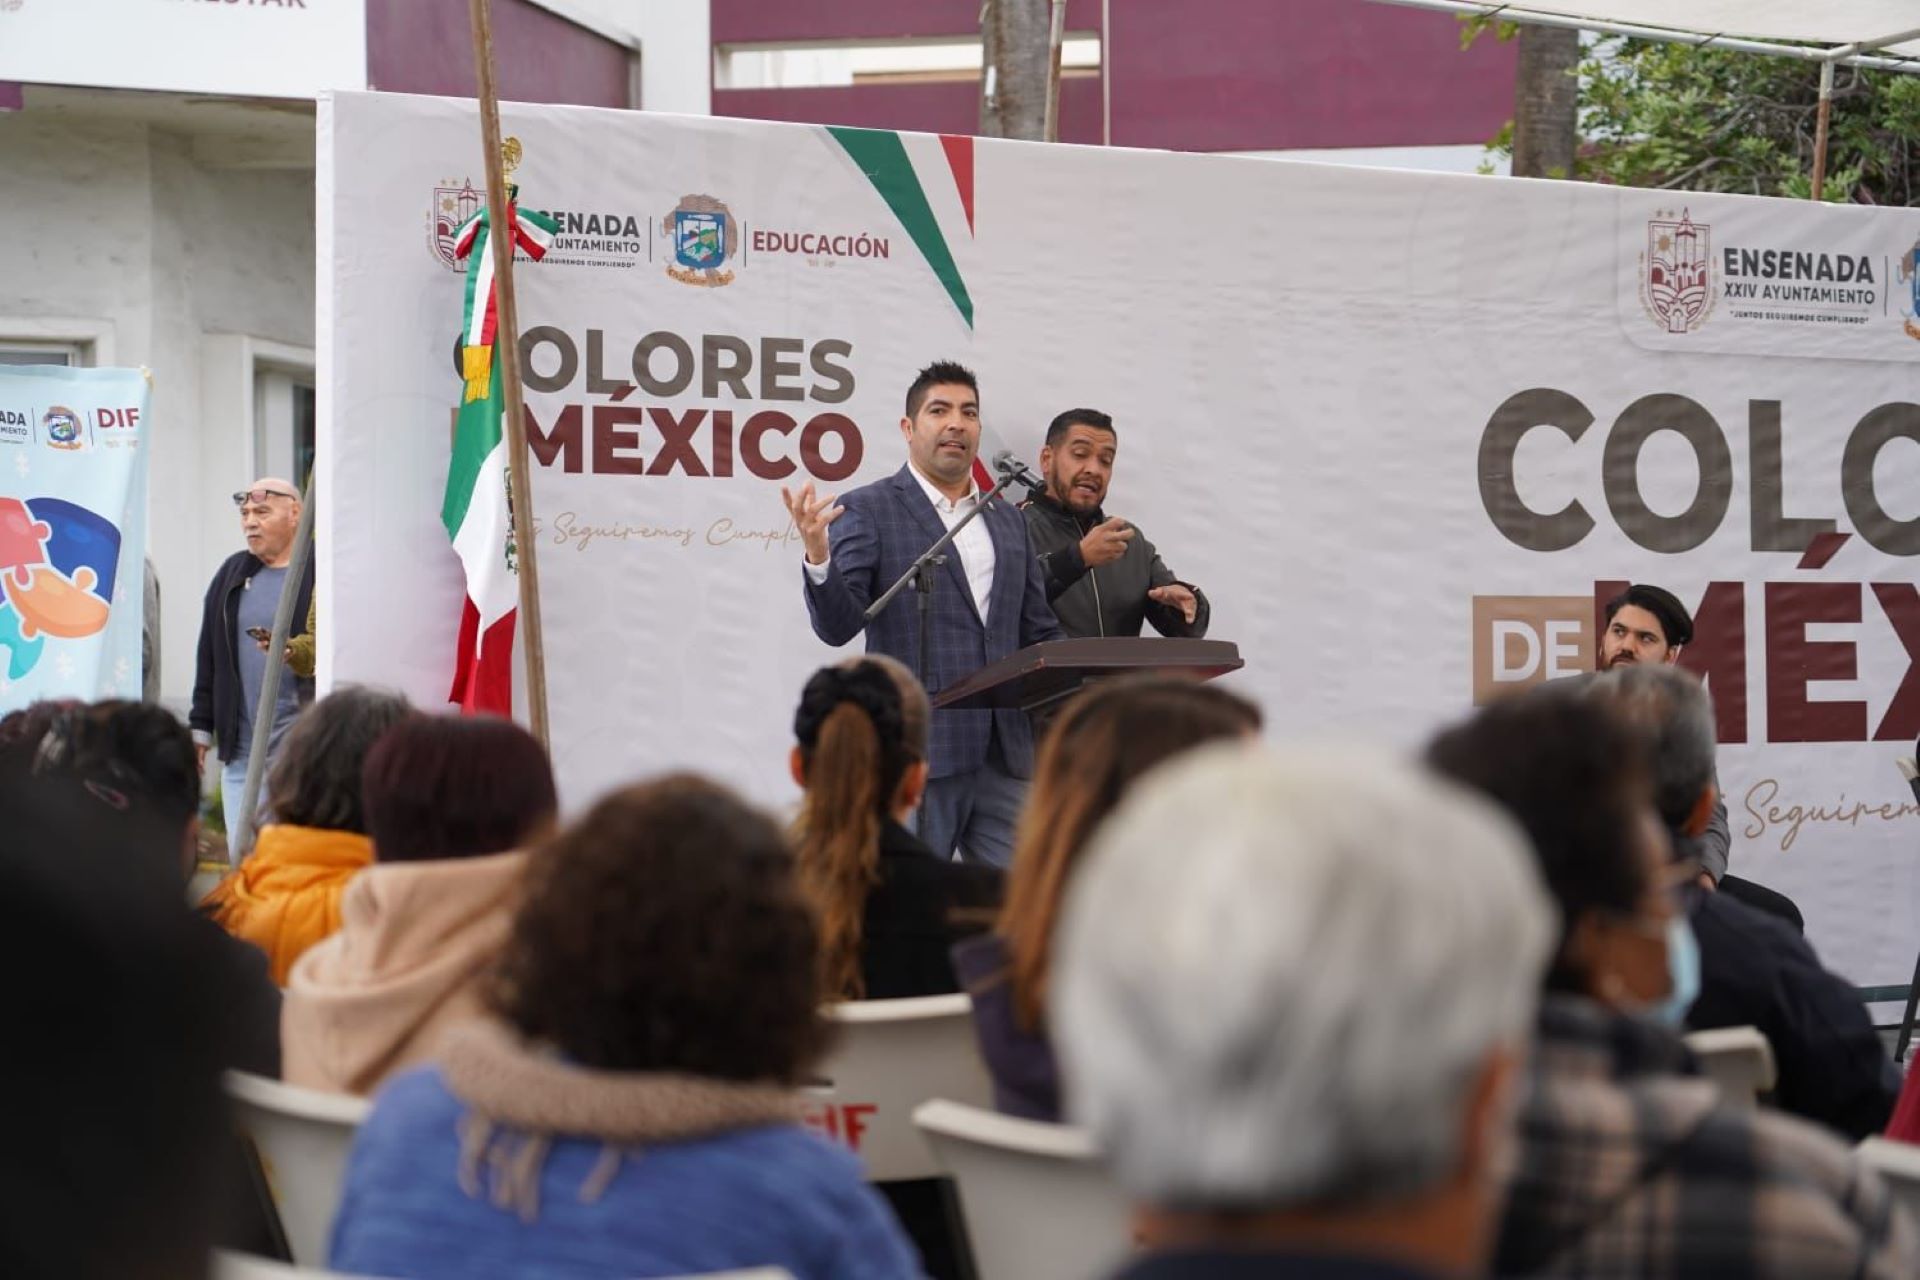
x: 14, y: 352
x: 283, y: 417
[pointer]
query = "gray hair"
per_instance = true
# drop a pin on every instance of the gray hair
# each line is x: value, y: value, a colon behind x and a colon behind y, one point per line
x: 1280, y: 977
x: 1675, y: 712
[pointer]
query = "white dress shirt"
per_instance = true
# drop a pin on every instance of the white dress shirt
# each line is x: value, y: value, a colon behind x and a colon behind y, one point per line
x: 974, y: 545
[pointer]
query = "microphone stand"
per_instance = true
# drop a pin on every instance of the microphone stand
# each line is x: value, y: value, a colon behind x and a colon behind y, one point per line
x: 920, y: 574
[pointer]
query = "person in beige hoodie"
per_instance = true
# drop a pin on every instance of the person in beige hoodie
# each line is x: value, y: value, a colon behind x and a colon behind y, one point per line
x: 453, y: 804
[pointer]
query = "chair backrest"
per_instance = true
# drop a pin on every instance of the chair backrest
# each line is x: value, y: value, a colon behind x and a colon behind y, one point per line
x: 889, y: 1057
x: 1738, y: 1059
x: 244, y: 1266
x: 302, y: 1137
x: 1037, y: 1203
x: 1898, y: 1164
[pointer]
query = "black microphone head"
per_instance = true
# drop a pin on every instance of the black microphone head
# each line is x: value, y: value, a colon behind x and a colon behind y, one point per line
x: 1004, y: 461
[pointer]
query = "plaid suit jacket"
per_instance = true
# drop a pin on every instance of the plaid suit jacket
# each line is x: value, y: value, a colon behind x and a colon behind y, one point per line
x: 885, y: 526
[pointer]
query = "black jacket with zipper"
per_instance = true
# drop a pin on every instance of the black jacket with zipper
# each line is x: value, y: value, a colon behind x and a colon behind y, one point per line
x: 216, y: 711
x: 1109, y: 599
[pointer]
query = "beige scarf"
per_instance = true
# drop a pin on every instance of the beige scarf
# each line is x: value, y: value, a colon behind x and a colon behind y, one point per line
x: 522, y: 1096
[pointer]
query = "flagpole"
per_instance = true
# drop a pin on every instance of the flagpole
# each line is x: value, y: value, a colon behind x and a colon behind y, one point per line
x: 506, y: 356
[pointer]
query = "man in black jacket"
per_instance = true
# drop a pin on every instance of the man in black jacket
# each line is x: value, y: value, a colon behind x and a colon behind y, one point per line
x: 1755, y: 970
x: 1102, y: 577
x: 239, y: 608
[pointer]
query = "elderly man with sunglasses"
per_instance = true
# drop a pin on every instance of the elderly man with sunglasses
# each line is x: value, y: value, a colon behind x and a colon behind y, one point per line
x: 240, y: 606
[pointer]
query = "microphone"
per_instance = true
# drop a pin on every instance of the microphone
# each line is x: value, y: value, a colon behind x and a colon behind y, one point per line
x: 1007, y: 465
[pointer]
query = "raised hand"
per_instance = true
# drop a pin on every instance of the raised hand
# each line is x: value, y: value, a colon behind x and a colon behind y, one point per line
x: 1106, y: 542
x: 811, y: 516
x: 1177, y: 596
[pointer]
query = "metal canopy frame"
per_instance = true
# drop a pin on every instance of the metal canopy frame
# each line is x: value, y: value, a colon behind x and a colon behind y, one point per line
x: 1858, y: 53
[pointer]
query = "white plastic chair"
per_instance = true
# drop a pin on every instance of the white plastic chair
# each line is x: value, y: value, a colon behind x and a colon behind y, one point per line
x: 891, y: 1056
x: 1898, y: 1164
x: 1037, y: 1203
x: 1738, y: 1059
x: 243, y: 1266
x: 302, y: 1136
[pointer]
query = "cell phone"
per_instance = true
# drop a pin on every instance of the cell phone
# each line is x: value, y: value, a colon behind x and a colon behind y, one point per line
x: 261, y: 634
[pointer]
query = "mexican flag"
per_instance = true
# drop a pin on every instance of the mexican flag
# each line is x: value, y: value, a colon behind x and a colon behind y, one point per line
x: 476, y: 510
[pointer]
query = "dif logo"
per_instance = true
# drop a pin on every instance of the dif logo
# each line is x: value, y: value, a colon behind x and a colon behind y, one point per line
x: 1520, y: 641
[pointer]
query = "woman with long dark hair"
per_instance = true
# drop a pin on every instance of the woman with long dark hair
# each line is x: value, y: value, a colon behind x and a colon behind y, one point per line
x: 1106, y: 738
x: 889, y: 909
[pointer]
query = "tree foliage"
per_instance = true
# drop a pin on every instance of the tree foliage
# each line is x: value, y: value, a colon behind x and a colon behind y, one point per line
x: 1673, y: 115
x: 1688, y: 118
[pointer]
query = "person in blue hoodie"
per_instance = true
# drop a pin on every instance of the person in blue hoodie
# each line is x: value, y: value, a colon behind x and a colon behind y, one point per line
x: 630, y: 1107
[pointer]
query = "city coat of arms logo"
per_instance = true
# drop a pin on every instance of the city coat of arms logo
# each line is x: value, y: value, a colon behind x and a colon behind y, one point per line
x: 1910, y: 276
x: 63, y: 429
x: 1676, y: 272
x: 452, y: 206
x: 704, y: 236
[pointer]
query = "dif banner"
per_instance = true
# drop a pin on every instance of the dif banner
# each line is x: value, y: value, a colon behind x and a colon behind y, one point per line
x: 1407, y: 430
x: 73, y: 528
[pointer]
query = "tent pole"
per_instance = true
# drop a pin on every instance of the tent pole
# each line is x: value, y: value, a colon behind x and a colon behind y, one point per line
x: 1820, y: 130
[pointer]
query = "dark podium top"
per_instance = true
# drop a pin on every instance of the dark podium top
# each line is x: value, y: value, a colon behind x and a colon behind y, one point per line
x: 1043, y: 673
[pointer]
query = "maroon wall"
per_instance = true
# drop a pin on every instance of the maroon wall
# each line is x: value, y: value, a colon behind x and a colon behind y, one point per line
x: 951, y: 106
x: 426, y: 46
x: 1229, y: 75
x: 1307, y: 73
x: 752, y: 21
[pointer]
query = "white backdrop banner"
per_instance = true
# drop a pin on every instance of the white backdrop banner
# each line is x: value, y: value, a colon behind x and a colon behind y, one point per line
x: 1405, y: 429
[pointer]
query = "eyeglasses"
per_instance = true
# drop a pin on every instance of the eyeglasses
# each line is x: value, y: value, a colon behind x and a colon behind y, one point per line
x: 259, y: 495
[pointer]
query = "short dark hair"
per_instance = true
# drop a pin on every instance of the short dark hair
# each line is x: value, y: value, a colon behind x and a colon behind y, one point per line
x: 1058, y: 428
x: 140, y: 754
x: 115, y: 1169
x: 316, y: 781
x: 452, y: 786
x: 1574, y: 773
x: 665, y: 931
x: 1675, y: 621
x: 941, y: 373
x: 22, y: 730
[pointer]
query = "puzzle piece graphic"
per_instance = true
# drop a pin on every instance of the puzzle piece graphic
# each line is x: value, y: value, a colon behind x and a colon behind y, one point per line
x: 23, y: 541
x: 22, y: 654
x: 55, y: 605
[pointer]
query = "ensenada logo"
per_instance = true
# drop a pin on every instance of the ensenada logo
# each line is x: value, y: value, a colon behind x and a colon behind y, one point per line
x: 454, y: 202
x: 16, y: 426
x: 582, y: 238
x: 1676, y: 272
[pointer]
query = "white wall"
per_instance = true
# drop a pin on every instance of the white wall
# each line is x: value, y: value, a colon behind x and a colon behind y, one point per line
x: 675, y: 49
x: 128, y: 231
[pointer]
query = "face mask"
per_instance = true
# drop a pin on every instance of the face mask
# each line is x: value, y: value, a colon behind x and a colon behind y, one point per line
x: 1683, y: 974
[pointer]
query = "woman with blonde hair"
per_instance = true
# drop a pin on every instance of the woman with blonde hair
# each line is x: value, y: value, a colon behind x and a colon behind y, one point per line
x: 889, y: 909
x: 1105, y: 739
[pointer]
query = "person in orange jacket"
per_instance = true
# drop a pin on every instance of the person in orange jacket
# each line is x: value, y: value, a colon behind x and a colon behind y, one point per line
x: 286, y: 895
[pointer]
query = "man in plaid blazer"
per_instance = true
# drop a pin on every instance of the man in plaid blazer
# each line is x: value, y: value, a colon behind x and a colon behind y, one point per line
x: 988, y: 601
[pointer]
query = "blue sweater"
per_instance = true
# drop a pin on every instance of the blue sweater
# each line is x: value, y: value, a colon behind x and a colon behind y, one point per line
x: 768, y: 1196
